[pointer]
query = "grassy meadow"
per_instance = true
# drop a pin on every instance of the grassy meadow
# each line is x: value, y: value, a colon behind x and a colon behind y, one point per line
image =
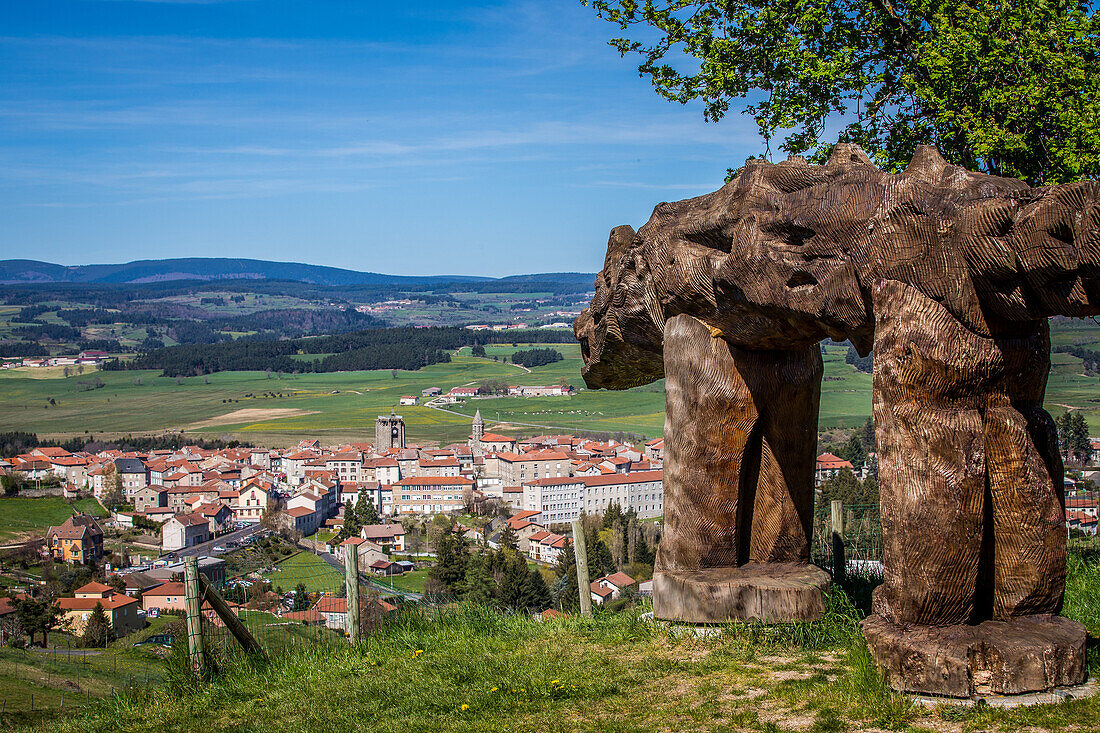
x: 467, y: 668
x: 279, y: 410
x: 19, y: 515
x: 308, y: 569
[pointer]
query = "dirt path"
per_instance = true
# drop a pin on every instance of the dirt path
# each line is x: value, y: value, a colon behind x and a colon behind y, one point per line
x: 251, y: 414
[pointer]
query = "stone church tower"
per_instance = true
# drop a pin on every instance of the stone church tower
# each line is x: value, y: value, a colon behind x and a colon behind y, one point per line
x: 389, y: 432
x: 477, y: 430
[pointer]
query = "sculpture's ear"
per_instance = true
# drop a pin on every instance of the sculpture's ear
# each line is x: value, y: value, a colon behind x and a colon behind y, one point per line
x: 617, y: 244
x: 927, y: 164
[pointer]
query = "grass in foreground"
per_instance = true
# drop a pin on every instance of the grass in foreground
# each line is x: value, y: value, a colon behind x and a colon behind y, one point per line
x: 471, y: 669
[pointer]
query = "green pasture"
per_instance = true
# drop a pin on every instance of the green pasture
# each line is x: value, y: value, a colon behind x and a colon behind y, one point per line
x: 53, y: 679
x: 414, y: 581
x: 342, y: 406
x: 19, y: 515
x: 307, y: 568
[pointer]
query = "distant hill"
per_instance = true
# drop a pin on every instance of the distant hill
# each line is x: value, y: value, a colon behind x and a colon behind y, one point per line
x: 27, y: 272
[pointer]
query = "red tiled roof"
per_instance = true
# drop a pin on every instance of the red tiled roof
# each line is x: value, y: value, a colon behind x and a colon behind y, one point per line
x: 310, y: 616
x: 326, y: 604
x: 378, y: 531
x: 435, y: 481
x: 600, y: 590
x: 116, y: 600
x: 561, y: 481
x: 167, y: 589
x: 620, y: 580
x: 191, y: 520
x: 637, y: 477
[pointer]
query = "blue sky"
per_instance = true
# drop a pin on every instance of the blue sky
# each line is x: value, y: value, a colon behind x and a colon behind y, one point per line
x: 406, y: 138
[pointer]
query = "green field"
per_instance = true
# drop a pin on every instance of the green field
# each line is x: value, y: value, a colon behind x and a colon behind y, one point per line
x: 414, y: 581
x: 317, y: 575
x: 19, y: 515
x: 281, y: 409
x: 45, y: 681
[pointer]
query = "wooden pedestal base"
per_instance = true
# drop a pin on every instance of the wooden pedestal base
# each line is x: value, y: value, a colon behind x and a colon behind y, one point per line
x: 1026, y: 654
x: 770, y: 592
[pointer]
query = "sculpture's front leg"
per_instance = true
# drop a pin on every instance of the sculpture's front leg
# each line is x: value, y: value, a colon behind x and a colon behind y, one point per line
x: 740, y: 441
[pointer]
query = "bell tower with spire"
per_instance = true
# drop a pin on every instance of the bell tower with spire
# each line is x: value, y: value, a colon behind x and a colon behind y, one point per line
x: 477, y: 430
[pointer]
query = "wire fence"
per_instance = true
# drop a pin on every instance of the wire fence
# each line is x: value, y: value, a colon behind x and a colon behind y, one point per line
x: 861, y: 536
x: 284, y: 596
x: 302, y: 600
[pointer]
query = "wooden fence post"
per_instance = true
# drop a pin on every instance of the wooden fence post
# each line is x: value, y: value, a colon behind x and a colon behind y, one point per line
x: 351, y: 580
x: 836, y: 519
x: 581, y: 554
x: 232, y: 622
x: 194, y: 615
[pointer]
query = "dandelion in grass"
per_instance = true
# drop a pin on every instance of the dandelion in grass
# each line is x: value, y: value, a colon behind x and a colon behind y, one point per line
x: 465, y: 706
x: 493, y: 690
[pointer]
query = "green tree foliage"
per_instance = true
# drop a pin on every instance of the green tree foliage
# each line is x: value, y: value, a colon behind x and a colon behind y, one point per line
x: 508, y: 538
x: 380, y: 348
x: 301, y: 598
x: 864, y: 364
x: 478, y: 585
x: 853, y: 451
x: 536, y: 357
x: 366, y: 511
x: 566, y: 594
x: 849, y: 489
x: 1003, y: 87
x: 352, y: 523
x: 513, y: 580
x: 477, y: 350
x: 536, y: 594
x: 1073, y: 436
x: 867, y: 436
x: 612, y: 515
x: 452, y: 557
x: 97, y: 630
x: 600, y: 560
x: 37, y: 617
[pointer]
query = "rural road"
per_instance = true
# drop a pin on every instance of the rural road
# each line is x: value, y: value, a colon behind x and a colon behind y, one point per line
x: 207, y: 548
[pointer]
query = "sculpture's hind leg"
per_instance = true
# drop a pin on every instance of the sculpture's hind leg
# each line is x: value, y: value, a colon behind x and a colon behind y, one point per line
x: 1025, y: 479
x: 970, y: 510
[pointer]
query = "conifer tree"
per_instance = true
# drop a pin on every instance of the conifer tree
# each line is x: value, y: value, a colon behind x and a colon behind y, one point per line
x: 365, y: 510
x: 478, y: 584
x: 536, y: 595
x: 508, y: 540
x: 97, y: 630
x: 567, y: 596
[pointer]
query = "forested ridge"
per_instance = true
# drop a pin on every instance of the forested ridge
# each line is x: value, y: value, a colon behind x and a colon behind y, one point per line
x: 379, y: 348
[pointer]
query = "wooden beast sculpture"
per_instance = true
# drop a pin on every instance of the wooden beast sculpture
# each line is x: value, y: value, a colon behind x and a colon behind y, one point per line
x: 948, y: 276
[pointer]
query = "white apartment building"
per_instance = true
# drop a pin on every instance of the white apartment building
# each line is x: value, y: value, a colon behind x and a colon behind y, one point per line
x: 563, y: 499
x: 429, y: 495
x: 642, y: 491
x: 558, y: 499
